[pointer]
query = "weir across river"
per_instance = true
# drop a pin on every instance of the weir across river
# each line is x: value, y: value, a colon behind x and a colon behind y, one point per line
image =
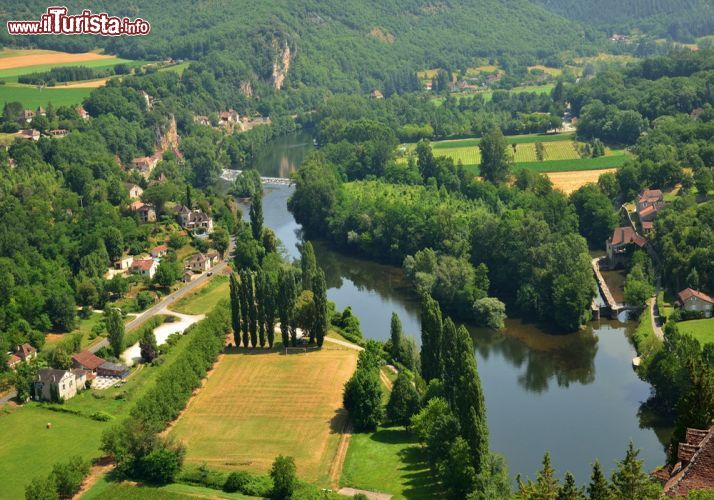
x: 231, y: 175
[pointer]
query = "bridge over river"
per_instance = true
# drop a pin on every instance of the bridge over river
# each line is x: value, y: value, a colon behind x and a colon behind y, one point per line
x: 231, y: 175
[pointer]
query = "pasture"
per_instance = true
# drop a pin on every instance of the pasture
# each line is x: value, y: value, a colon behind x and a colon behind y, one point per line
x: 28, y: 448
x: 205, y: 298
x: 700, y: 329
x: 16, y: 62
x: 257, y: 404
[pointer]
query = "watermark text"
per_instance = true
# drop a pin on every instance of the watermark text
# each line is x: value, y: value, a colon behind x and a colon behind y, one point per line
x: 56, y: 21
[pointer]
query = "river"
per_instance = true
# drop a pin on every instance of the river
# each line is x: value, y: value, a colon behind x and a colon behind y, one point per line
x: 574, y: 395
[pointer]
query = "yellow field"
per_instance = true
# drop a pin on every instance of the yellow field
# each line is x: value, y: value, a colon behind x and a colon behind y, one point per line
x: 573, y: 180
x: 256, y: 405
x: 23, y: 58
x: 486, y: 68
x: 547, y: 70
x: 87, y: 84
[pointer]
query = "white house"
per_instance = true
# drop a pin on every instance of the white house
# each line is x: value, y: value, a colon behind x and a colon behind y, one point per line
x: 145, y: 267
x: 696, y: 301
x: 198, y: 263
x: 135, y: 191
x: 53, y: 385
x: 124, y: 263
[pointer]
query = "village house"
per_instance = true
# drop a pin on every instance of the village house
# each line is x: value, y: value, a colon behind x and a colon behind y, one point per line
x: 145, y: 164
x: 159, y: 251
x: 145, y: 267
x: 228, y: 117
x: 694, y: 469
x: 81, y: 376
x: 197, y: 263
x: 648, y: 203
x: 27, y: 115
x: 40, y: 111
x: 135, y: 191
x: 24, y: 352
x: 202, y: 120
x: 194, y: 219
x: 621, y: 245
x: 82, y: 112
x: 58, y: 132
x: 146, y: 211
x: 54, y: 385
x: 124, y: 263
x: 695, y: 301
x: 213, y: 256
x: 376, y: 94
x: 108, y: 369
x: 29, y: 134
x: 86, y: 360
x: 187, y: 276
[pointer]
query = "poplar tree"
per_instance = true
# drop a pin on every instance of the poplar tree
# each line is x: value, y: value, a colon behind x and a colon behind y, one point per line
x: 256, y: 216
x: 244, y: 306
x: 395, y: 334
x: 115, y: 331
x: 235, y: 308
x: 449, y: 358
x: 286, y: 285
x: 260, y: 303
x: 431, y: 333
x: 270, y: 302
x: 319, y: 325
x: 252, y: 310
x: 308, y: 264
x: 469, y: 402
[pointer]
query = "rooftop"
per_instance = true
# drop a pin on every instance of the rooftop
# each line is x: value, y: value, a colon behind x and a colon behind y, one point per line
x: 87, y: 359
x: 688, y: 293
x: 626, y: 235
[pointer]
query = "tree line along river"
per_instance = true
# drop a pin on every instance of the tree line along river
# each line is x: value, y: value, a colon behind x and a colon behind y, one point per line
x: 575, y: 395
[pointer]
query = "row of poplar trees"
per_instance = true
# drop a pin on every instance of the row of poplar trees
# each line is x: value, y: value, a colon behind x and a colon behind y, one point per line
x: 296, y: 298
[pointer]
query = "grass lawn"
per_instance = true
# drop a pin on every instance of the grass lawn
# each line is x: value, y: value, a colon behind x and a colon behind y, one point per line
x: 29, y: 449
x: 33, y: 97
x: 258, y: 404
x: 176, y: 68
x: 644, y: 337
x: 700, y: 329
x: 205, y: 298
x: 105, y: 490
x: 85, y: 328
x: 390, y: 461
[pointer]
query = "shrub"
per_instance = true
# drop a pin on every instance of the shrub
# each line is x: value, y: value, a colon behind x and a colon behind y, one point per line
x: 284, y: 477
x: 236, y: 481
x: 101, y: 416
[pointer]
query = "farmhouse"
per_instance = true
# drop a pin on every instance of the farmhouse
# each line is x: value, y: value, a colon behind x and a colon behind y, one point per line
x: 24, y: 352
x: 27, y: 115
x: 145, y: 267
x: 620, y: 245
x: 86, y: 360
x: 159, y: 251
x: 213, y: 257
x: 82, y: 112
x: 58, y: 132
x: 135, y: 191
x: 54, y: 385
x: 146, y: 211
x: 376, y: 94
x: 194, y: 219
x: 29, y: 134
x: 198, y: 263
x: 695, y: 301
x: 108, y: 369
x: 228, y: 117
x: 694, y: 469
x: 124, y: 263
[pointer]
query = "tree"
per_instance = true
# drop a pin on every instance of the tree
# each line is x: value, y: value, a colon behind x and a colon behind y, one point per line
x: 167, y: 273
x: 319, y: 324
x: 61, y: 309
x: 457, y: 471
x: 148, y: 346
x: 437, y: 427
x: 495, y: 162
x: 115, y: 331
x: 569, y: 490
x: 235, y: 308
x: 599, y: 487
x: 286, y: 302
x: 244, y: 306
x: 220, y: 240
x: 118, y: 286
x: 630, y: 481
x: 304, y: 313
x: 395, y: 335
x: 308, y: 264
x: 256, y: 216
x: 69, y: 476
x: 252, y: 309
x: 87, y: 294
x: 163, y: 463
x: 403, y: 402
x: 24, y: 377
x: 41, y: 489
x: 490, y: 312
x: 431, y: 334
x: 283, y: 473
x: 363, y: 399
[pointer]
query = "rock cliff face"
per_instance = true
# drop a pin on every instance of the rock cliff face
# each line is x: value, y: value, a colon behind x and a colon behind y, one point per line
x: 281, y: 63
x: 246, y: 88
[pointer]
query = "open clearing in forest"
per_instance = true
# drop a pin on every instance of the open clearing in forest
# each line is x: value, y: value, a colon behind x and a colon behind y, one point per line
x: 571, y: 181
x: 257, y: 404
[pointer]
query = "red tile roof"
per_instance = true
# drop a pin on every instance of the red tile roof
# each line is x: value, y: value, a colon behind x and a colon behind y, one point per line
x: 647, y: 225
x: 13, y: 360
x: 650, y: 195
x: 25, y: 350
x: 143, y: 264
x: 87, y: 360
x: 160, y: 248
x: 625, y: 236
x: 688, y: 293
x: 694, y: 469
x: 648, y: 210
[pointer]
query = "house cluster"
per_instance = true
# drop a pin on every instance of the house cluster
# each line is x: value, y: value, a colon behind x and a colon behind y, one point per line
x: 226, y: 119
x: 145, y: 211
x: 648, y: 204
x: 54, y: 385
x: 143, y: 266
x: 21, y: 354
x: 193, y: 219
x: 694, y: 467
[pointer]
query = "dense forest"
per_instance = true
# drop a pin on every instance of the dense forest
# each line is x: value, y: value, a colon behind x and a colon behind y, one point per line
x: 682, y: 20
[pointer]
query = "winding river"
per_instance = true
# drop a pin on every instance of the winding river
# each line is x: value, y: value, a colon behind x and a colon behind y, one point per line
x: 574, y: 395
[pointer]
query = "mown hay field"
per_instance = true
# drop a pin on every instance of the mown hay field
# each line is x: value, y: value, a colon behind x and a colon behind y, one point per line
x: 257, y: 404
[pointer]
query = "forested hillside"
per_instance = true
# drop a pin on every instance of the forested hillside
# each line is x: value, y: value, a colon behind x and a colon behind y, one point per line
x: 681, y: 20
x: 339, y: 45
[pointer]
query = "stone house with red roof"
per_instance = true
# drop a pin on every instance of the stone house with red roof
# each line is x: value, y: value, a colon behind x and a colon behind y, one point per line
x: 621, y: 244
x: 145, y: 267
x: 695, y: 301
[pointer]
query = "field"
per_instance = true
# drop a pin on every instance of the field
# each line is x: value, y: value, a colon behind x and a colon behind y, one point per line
x: 402, y: 470
x: 204, y: 298
x: 14, y: 63
x: 104, y: 490
x: 700, y: 329
x: 560, y: 155
x: 573, y: 180
x: 29, y: 449
x: 256, y: 405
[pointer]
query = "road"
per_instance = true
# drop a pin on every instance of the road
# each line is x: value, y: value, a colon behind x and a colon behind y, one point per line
x: 170, y: 299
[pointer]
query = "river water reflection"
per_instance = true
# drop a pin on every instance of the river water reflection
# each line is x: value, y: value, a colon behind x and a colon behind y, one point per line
x: 575, y: 395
